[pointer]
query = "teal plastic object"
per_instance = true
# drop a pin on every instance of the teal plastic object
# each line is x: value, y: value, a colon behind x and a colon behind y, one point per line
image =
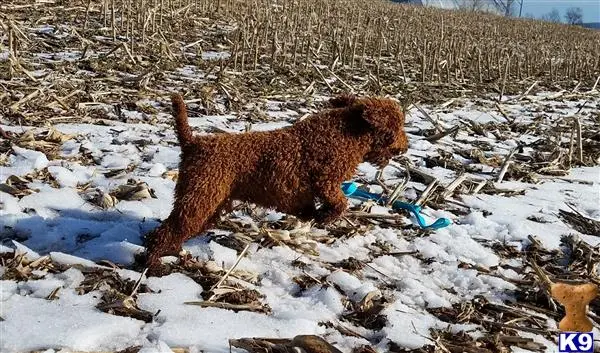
x: 350, y: 189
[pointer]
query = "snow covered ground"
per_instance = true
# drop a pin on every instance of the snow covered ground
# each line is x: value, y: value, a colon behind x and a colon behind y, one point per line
x: 61, y: 218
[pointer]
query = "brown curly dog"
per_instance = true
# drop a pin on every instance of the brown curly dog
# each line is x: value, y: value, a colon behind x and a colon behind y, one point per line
x: 289, y: 169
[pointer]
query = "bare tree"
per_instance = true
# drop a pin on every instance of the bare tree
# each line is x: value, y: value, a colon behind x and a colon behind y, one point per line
x: 472, y: 5
x: 502, y: 6
x: 552, y: 16
x: 508, y: 7
x: 574, y: 16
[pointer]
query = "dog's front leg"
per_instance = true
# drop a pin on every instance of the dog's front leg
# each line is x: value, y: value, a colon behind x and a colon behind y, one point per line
x: 334, y: 203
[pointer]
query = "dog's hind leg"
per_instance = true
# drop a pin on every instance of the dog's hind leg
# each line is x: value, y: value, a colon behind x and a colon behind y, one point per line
x: 192, y: 212
x: 162, y: 241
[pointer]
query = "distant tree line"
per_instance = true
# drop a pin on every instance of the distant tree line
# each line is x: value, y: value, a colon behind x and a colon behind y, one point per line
x: 506, y: 7
x: 573, y: 15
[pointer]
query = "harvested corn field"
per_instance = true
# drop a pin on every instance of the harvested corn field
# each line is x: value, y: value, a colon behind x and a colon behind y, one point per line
x: 502, y: 118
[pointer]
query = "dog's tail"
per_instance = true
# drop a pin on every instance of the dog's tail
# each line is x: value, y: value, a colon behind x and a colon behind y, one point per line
x: 183, y: 129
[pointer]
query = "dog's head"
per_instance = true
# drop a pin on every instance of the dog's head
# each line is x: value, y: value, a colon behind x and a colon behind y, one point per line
x: 382, y: 119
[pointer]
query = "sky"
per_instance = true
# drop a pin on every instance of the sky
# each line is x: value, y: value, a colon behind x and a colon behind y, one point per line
x: 538, y: 8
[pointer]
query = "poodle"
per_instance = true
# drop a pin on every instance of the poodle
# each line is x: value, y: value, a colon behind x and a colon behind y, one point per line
x: 291, y: 170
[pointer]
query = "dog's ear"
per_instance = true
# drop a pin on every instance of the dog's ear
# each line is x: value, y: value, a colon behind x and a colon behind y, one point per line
x: 342, y: 101
x: 384, y: 116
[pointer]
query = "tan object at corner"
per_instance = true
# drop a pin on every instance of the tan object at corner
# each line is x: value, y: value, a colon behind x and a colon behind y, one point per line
x: 575, y: 299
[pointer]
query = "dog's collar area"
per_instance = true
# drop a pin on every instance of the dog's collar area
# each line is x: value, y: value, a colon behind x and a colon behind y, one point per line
x: 352, y: 190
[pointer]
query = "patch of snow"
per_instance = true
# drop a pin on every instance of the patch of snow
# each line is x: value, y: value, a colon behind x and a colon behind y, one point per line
x: 22, y: 162
x: 63, y: 176
x: 67, y: 259
x: 28, y: 253
x: 213, y: 55
x: 270, y: 126
x: 8, y: 205
x: 71, y: 321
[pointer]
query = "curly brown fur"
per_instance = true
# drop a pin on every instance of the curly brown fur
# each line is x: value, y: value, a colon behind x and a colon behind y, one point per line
x: 289, y: 169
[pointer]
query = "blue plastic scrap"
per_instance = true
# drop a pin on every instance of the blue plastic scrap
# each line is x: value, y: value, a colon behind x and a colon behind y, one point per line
x: 350, y: 189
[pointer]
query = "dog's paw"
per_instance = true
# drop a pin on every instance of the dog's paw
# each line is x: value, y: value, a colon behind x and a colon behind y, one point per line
x: 327, y: 217
x: 158, y: 270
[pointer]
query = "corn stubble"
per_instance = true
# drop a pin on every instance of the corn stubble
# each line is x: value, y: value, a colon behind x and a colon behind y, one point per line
x: 389, y: 42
